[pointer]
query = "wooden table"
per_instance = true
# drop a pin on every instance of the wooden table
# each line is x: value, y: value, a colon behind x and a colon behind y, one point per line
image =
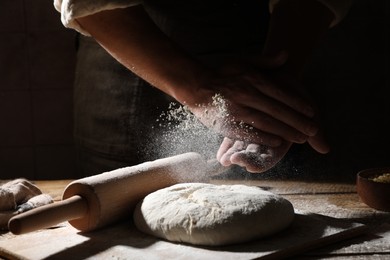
x: 336, y: 200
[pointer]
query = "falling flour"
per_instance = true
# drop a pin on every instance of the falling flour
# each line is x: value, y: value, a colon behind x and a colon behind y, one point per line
x: 178, y: 130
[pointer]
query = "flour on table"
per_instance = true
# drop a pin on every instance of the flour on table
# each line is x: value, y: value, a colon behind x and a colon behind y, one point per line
x: 212, y: 215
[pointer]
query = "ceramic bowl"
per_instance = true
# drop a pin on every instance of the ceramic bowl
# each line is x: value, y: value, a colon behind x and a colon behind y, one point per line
x: 374, y: 193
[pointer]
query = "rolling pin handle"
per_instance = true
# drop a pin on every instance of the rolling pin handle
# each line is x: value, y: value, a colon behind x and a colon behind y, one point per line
x: 48, y: 215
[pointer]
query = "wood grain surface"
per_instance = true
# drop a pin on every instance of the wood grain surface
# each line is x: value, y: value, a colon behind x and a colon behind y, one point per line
x: 333, y: 202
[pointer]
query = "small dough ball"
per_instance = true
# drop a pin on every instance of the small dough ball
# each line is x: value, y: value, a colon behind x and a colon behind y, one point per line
x: 212, y: 215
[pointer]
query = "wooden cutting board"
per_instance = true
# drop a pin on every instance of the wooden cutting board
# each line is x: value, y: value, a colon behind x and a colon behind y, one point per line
x: 124, y: 241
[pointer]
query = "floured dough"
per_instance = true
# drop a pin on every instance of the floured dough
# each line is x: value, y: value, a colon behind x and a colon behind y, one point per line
x: 212, y: 215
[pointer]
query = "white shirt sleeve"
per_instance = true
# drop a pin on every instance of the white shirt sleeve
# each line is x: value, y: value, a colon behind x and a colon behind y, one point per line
x: 339, y: 8
x: 72, y: 9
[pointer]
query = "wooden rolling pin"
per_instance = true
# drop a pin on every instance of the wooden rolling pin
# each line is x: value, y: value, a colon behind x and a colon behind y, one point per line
x: 94, y: 202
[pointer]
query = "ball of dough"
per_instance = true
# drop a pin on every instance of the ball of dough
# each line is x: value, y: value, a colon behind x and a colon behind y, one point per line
x: 212, y: 215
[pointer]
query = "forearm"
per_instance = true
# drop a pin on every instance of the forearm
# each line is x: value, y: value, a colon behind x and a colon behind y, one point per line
x: 296, y: 27
x: 131, y: 37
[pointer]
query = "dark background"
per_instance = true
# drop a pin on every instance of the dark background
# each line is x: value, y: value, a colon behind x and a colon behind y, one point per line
x: 37, y: 58
x: 349, y: 76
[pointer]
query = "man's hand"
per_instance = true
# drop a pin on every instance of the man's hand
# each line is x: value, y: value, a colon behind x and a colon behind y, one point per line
x: 263, y: 106
x: 259, y: 156
x: 254, y: 106
x: 254, y: 158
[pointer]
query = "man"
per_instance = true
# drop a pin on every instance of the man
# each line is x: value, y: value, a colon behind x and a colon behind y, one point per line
x: 193, y: 50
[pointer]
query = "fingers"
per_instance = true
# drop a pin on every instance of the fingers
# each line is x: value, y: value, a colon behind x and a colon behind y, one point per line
x: 253, y: 157
x: 283, y: 95
x: 273, y: 119
x: 270, y: 83
x: 284, y: 113
x: 319, y: 144
x: 267, y: 123
x: 291, y: 115
x: 251, y: 135
x: 279, y: 121
x: 224, y: 147
x: 230, y: 149
x: 263, y: 109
